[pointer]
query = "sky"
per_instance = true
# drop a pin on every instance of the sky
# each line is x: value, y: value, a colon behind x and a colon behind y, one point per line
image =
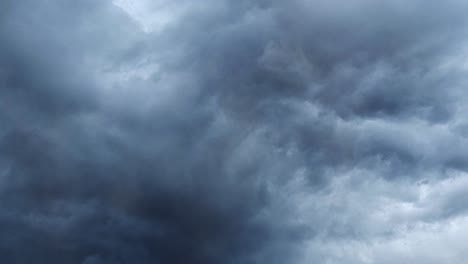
x: 233, y: 132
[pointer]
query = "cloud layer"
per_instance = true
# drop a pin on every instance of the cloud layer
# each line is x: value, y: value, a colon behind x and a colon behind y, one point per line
x: 251, y: 131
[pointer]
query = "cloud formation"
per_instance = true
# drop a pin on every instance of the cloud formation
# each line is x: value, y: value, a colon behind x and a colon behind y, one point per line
x: 251, y: 131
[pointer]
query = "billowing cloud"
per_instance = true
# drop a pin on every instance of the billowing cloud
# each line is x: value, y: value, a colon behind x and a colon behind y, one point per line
x: 252, y: 131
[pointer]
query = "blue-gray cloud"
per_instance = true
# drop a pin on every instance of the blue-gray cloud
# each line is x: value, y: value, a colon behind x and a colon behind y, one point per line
x: 254, y: 131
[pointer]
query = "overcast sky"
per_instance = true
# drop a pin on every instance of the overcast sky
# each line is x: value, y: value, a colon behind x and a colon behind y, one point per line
x: 234, y: 131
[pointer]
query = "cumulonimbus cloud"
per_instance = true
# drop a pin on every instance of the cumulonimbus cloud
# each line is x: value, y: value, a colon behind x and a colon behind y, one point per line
x: 252, y: 131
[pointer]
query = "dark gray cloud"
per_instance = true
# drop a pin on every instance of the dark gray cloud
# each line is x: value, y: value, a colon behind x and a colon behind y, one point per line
x: 232, y: 132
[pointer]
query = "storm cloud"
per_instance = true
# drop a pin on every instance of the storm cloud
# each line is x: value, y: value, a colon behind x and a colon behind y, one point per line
x: 249, y: 131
